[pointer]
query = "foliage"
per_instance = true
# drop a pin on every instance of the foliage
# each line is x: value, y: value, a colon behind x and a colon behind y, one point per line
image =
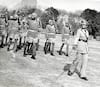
x: 50, y: 13
x: 3, y: 11
x: 93, y: 18
x: 25, y: 11
x: 74, y: 25
x: 62, y: 12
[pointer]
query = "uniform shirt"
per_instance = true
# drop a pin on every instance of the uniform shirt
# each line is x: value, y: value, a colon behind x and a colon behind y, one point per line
x: 50, y: 29
x: 33, y: 24
x: 65, y: 30
x: 13, y: 26
x: 2, y: 22
x: 81, y: 34
x: 65, y: 33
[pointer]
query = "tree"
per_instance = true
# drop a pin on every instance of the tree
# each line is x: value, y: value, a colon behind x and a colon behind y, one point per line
x: 52, y: 12
x: 62, y: 12
x: 44, y: 19
x: 49, y: 13
x: 91, y: 15
x: 3, y: 10
x: 97, y: 20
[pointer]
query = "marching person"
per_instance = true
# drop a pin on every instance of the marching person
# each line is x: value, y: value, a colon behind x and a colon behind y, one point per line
x: 65, y: 38
x: 13, y: 35
x: 23, y: 31
x: 50, y: 37
x: 32, y: 36
x: 81, y: 45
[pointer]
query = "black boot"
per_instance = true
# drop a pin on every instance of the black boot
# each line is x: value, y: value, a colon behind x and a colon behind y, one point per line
x: 2, y: 42
x: 25, y: 49
x: 33, y: 57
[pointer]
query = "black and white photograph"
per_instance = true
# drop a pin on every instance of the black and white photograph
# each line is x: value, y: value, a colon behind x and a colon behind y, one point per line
x: 49, y: 43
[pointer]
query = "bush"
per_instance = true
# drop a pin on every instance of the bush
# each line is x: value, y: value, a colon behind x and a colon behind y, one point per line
x: 50, y: 13
x: 98, y: 36
x: 97, y: 33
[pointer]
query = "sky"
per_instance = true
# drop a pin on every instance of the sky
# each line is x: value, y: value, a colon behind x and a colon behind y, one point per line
x: 9, y: 3
x: 69, y: 5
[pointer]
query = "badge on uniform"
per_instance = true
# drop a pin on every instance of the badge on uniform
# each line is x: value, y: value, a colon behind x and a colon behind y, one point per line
x: 32, y: 34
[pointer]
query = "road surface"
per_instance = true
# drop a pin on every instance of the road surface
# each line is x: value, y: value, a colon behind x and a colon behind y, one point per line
x: 42, y: 72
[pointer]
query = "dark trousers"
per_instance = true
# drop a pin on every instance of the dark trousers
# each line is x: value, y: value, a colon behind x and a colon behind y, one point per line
x: 30, y: 48
x: 47, y: 46
x: 12, y: 45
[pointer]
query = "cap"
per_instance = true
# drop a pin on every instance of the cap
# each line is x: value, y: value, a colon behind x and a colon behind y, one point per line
x: 83, y: 21
x: 34, y: 15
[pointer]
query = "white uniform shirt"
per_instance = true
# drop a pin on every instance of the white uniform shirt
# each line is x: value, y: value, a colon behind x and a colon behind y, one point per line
x: 81, y: 34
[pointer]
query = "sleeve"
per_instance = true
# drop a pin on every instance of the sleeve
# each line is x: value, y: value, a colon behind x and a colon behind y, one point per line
x: 47, y: 28
x: 77, y: 37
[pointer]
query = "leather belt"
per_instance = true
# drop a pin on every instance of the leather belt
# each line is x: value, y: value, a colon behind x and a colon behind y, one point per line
x: 83, y: 40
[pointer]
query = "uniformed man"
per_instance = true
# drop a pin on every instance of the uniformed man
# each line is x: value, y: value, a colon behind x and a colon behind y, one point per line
x: 50, y: 37
x: 23, y: 31
x: 32, y: 36
x: 13, y: 35
x: 65, y: 38
x: 81, y: 45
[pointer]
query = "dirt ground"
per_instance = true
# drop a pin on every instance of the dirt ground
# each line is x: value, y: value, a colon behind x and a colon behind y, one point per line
x: 43, y: 72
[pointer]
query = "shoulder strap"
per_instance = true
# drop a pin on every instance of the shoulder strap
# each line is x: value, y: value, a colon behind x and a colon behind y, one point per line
x: 85, y: 35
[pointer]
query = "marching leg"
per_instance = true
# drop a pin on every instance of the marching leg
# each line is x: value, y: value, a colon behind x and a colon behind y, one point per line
x: 15, y: 45
x: 2, y: 41
x: 20, y: 43
x: 48, y: 49
x: 67, y: 49
x: 37, y: 45
x: 75, y: 65
x: 6, y: 40
x: 52, y: 49
x: 9, y: 43
x: 60, y: 51
x: 45, y: 47
x: 33, y: 51
x: 25, y: 49
x: 84, y: 66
